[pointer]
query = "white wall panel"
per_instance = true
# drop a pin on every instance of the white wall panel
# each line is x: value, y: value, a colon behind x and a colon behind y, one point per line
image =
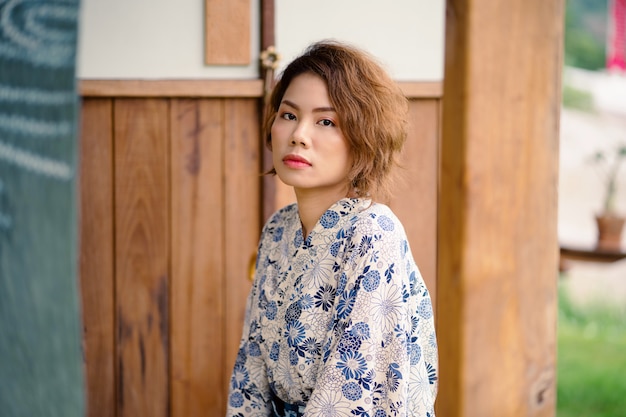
x: 163, y: 39
x: 406, y: 35
x: 152, y: 39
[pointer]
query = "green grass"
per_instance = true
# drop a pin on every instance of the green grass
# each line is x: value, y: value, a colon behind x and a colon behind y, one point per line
x: 577, y: 99
x: 591, y: 359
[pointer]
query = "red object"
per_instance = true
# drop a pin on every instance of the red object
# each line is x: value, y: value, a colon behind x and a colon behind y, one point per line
x: 615, y: 60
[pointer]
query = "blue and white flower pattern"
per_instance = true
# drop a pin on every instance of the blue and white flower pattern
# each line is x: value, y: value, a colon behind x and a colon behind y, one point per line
x: 339, y: 323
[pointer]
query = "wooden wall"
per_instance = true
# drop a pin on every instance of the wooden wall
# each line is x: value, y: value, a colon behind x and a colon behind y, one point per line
x: 171, y: 204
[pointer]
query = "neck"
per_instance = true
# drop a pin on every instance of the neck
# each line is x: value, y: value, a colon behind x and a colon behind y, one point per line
x: 311, y: 206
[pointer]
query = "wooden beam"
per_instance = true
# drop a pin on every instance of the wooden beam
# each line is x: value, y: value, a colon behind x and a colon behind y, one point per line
x: 421, y: 89
x: 497, y: 240
x: 171, y: 88
x: 216, y: 88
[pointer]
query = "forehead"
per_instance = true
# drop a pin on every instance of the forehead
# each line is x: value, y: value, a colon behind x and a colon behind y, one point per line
x: 307, y: 87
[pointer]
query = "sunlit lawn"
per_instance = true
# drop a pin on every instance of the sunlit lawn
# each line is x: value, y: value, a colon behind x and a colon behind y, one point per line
x: 591, y: 360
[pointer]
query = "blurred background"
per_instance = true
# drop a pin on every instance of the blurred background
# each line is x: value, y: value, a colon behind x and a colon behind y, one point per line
x: 592, y: 291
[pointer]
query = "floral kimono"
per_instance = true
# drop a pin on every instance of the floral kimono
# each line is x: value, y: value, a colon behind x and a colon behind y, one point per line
x: 337, y: 324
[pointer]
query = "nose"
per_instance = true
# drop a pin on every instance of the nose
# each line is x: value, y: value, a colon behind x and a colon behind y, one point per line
x: 300, y: 136
x: 296, y: 141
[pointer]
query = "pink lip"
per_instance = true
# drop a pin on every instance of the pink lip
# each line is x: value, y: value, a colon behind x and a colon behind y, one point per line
x: 296, y: 161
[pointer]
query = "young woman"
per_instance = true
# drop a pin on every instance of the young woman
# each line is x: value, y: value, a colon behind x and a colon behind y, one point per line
x: 339, y: 321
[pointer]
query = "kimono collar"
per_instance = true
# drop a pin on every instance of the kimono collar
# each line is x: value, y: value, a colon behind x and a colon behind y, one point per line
x: 330, y: 218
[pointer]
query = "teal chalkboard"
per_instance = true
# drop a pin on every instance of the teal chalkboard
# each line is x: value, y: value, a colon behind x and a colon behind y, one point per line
x: 40, y: 351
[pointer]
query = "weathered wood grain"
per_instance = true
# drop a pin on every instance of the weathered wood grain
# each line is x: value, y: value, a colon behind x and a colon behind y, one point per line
x: 142, y: 257
x: 197, y: 289
x: 497, y: 241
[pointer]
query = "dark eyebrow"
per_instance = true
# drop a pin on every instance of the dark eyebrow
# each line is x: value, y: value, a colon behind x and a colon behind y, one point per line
x: 317, y: 109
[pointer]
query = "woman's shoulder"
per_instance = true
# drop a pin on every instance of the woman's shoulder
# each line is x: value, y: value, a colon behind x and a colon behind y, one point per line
x: 378, y: 218
x: 378, y: 234
x: 282, y: 215
x: 378, y: 226
x: 278, y: 224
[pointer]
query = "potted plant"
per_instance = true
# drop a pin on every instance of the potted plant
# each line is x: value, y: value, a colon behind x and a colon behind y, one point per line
x: 610, y: 223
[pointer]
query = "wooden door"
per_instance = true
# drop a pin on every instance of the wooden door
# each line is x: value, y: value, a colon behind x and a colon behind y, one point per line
x: 169, y: 219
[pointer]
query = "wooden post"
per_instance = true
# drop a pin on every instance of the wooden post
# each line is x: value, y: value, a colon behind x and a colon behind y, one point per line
x: 497, y: 239
x: 268, y: 182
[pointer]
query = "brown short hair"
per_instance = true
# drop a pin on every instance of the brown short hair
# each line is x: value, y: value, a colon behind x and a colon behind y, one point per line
x: 371, y: 108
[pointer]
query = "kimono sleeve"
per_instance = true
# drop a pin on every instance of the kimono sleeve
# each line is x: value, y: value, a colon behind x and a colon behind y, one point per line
x: 249, y: 390
x: 374, y: 363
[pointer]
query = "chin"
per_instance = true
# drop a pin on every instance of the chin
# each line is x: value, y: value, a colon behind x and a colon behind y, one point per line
x: 286, y: 179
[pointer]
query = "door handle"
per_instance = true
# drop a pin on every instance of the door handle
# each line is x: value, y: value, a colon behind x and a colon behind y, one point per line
x: 252, y: 266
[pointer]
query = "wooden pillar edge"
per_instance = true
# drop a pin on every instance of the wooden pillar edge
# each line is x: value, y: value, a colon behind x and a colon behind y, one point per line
x: 497, y: 241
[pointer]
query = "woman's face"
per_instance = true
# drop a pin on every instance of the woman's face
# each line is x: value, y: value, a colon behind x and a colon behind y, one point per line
x: 309, y: 150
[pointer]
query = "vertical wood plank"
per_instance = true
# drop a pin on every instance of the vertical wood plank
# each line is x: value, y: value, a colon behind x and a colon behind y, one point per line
x: 267, y: 24
x: 242, y: 216
x: 96, y: 255
x: 227, y: 27
x: 197, y: 258
x: 142, y: 256
x: 415, y: 197
x: 497, y: 246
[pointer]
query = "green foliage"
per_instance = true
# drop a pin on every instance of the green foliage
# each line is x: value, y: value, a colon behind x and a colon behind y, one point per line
x: 574, y: 98
x: 591, y: 359
x: 585, y: 33
x: 582, y: 51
